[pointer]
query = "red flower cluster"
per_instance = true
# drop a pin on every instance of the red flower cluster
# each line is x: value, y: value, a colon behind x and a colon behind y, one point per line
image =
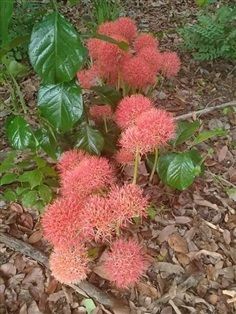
x: 136, y: 68
x: 91, y: 207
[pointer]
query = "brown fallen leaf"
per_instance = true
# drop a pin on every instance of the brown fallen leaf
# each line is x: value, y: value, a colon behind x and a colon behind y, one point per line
x: 178, y: 243
x: 16, y: 208
x: 8, y: 269
x: 227, y: 237
x: 35, y: 237
x: 147, y: 290
x: 223, y: 153
x: 168, y: 268
x: 165, y: 233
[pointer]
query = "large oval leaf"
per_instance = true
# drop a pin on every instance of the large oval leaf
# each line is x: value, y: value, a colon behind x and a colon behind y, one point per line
x: 89, y: 139
x: 18, y: 132
x: 55, y: 50
x: 61, y: 104
x: 178, y: 170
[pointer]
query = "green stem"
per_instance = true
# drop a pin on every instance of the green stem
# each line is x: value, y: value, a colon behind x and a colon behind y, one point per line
x: 154, y: 165
x: 20, y: 95
x: 136, y: 167
x: 105, y: 124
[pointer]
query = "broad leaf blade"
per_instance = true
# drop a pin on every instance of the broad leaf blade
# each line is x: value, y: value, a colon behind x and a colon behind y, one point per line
x: 47, y: 142
x: 107, y: 95
x: 33, y: 177
x: 206, y: 135
x: 89, y: 139
x: 18, y: 132
x: 185, y: 131
x: 61, y: 104
x: 55, y: 50
x: 6, y: 11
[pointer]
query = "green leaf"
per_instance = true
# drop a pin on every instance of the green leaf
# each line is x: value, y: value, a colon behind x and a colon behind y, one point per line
x: 151, y: 212
x: 45, y: 193
x: 185, y: 131
x: 110, y: 140
x: 47, y: 142
x: 8, y: 162
x: 40, y: 161
x: 33, y: 177
x: 18, y: 132
x: 89, y: 139
x: 74, y: 2
x: 55, y: 50
x: 22, y: 190
x: 107, y: 95
x: 177, y: 170
x: 208, y: 134
x: 89, y: 305
x: 10, y: 196
x: 61, y: 104
x: 29, y: 199
x: 8, y: 178
x: 49, y: 171
x: 6, y: 11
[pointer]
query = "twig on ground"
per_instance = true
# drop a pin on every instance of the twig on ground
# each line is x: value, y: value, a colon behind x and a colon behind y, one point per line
x: 206, y: 110
x: 86, y: 287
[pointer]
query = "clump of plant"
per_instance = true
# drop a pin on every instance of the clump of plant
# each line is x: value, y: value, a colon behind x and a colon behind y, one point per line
x: 29, y: 180
x: 213, y: 36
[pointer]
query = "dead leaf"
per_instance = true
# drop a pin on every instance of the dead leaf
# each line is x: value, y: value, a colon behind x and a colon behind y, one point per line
x: 165, y: 233
x: 100, y: 272
x: 35, y: 275
x: 178, y: 243
x: 147, y: 290
x: 227, y: 237
x: 26, y: 220
x: 168, y: 268
x: 8, y: 269
x: 35, y: 237
x: 33, y: 308
x: 16, y: 208
x: 182, y: 220
x: 223, y: 153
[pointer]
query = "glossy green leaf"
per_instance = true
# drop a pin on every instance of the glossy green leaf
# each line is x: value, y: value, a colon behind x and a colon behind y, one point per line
x: 40, y: 161
x: 89, y: 139
x: 33, y: 177
x: 185, y: 131
x: 177, y: 170
x: 6, y: 11
x: 8, y: 178
x: 7, y: 163
x: 45, y: 193
x: 18, y: 132
x: 22, y: 190
x: 203, y: 136
x: 47, y: 142
x: 55, y: 50
x: 107, y: 95
x: 30, y: 198
x: 61, y: 104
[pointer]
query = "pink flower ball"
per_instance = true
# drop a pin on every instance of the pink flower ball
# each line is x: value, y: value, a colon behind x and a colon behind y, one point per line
x: 108, y: 29
x: 170, y: 64
x: 128, y: 202
x: 62, y: 225
x: 69, y: 160
x: 89, y: 78
x: 91, y: 175
x: 137, y: 140
x: 153, y: 57
x: 137, y: 73
x: 145, y: 41
x: 126, y: 27
x: 130, y: 108
x: 124, y: 157
x: 98, y: 113
x: 159, y: 124
x: 125, y: 264
x: 69, y: 265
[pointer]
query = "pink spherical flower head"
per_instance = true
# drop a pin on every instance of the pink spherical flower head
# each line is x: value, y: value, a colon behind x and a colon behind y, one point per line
x: 170, y: 64
x: 137, y: 73
x: 125, y: 264
x: 98, y: 216
x: 137, y: 140
x: 62, y: 225
x: 126, y: 27
x: 93, y: 174
x: 111, y: 55
x: 159, y: 124
x: 69, y: 265
x: 69, y: 160
x: 89, y: 78
x: 94, y: 46
x: 127, y: 202
x: 108, y: 29
x: 144, y: 41
x: 124, y: 157
x: 130, y: 108
x: 153, y: 57
x: 99, y: 113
